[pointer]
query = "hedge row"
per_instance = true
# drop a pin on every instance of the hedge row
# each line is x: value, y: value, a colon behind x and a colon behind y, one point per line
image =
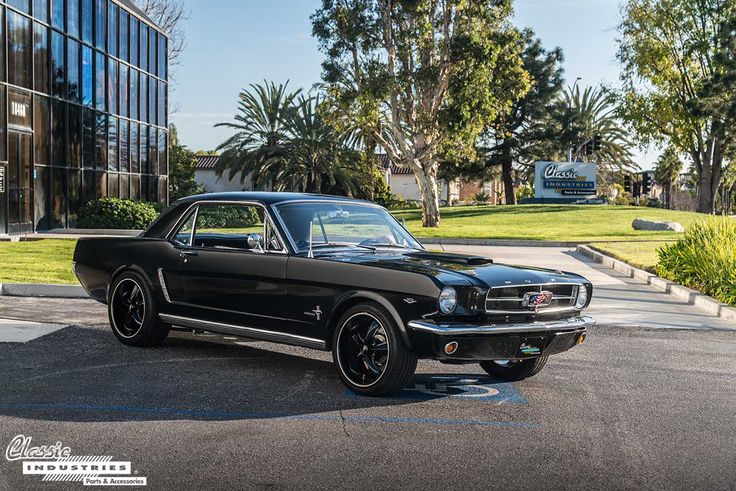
x: 114, y: 213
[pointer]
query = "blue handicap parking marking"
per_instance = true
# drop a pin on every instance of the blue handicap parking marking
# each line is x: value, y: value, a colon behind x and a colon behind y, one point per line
x: 467, y: 387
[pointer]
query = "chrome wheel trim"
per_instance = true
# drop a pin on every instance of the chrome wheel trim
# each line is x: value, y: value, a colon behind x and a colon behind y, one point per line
x: 134, y: 304
x: 379, y: 333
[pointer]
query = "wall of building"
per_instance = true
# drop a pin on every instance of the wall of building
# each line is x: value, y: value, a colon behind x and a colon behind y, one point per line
x: 214, y: 184
x: 83, y: 109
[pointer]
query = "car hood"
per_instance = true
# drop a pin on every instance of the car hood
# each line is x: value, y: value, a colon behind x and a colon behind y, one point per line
x: 457, y: 268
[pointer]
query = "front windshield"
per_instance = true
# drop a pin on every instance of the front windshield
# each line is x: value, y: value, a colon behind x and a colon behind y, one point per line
x: 328, y: 224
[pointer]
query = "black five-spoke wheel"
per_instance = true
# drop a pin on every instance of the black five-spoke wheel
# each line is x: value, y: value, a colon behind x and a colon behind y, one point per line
x: 370, y: 353
x: 133, y: 312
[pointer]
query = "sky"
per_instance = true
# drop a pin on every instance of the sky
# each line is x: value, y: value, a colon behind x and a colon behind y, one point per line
x: 234, y: 43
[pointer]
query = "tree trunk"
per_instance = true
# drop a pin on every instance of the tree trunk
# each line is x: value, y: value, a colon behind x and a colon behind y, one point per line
x: 508, y: 174
x: 427, y: 182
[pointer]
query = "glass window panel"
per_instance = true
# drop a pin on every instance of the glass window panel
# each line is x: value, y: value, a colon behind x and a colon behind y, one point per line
x: 41, y: 197
x: 153, y: 150
x: 152, y: 100
x: 88, y: 86
x: 73, y: 80
x: 88, y: 138
x: 124, y: 31
x: 57, y: 13
x: 134, y: 41
x: 162, y: 57
x: 134, y: 102
x: 135, y: 148
x: 124, y: 186
x: 152, y: 45
x: 100, y: 83
x: 143, y: 94
x: 74, y: 148
x: 163, y: 152
x: 58, y: 70
x: 2, y: 43
x: 72, y: 17
x: 42, y: 82
x: 41, y: 10
x: 101, y: 142
x: 58, y: 198
x: 112, y: 86
x: 58, y: 133
x: 41, y: 129
x: 112, y: 30
x: 162, y: 104
x: 87, y: 30
x: 124, y: 138
x: 22, y: 5
x: 112, y: 143
x: 113, y: 190
x: 144, y: 150
x: 163, y: 191
x: 3, y: 152
x: 100, y: 23
x: 135, y: 187
x: 74, y: 194
x: 123, y: 88
x: 101, y: 184
x: 89, y: 187
x: 19, y: 50
x: 144, y: 47
x: 152, y: 192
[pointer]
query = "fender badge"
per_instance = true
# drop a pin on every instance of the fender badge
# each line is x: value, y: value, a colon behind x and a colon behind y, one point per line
x: 410, y: 300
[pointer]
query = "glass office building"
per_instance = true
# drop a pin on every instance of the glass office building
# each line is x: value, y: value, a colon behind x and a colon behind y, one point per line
x: 83, y: 109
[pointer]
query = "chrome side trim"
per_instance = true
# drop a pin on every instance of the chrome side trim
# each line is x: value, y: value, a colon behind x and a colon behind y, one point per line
x: 454, y: 330
x: 163, y: 284
x: 248, y: 332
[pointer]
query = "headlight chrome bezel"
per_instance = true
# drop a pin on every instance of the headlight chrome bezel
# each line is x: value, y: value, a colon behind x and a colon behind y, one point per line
x: 447, y: 300
x: 583, y: 295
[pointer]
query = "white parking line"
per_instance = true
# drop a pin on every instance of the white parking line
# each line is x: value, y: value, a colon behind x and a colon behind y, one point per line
x: 12, y: 331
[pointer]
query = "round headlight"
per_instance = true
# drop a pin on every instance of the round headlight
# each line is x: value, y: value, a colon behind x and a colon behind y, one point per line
x: 448, y: 300
x: 582, y: 297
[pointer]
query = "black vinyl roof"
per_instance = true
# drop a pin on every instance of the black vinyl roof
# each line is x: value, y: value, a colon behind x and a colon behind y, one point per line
x: 268, y: 198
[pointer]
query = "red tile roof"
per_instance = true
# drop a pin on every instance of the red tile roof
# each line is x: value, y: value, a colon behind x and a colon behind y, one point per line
x: 395, y: 169
x: 207, y: 161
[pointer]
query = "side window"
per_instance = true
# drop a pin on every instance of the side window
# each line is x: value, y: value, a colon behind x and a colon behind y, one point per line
x: 228, y: 226
x: 184, y: 235
x: 272, y: 239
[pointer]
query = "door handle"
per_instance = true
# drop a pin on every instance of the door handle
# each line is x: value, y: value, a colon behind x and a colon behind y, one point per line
x: 188, y: 253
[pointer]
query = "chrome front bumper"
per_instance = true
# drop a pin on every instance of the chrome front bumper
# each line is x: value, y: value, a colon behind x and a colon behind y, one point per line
x: 573, y: 324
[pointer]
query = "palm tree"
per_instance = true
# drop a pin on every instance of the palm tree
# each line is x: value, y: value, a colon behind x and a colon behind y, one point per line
x: 259, y: 133
x: 589, y: 115
x: 667, y: 171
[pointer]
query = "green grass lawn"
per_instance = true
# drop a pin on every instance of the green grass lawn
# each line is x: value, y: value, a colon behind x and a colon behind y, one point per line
x: 43, y: 261
x: 640, y: 254
x: 546, y: 222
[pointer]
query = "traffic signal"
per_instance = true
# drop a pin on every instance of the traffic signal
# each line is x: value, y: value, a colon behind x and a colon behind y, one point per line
x: 627, y: 183
x: 597, y: 142
x: 589, y: 148
x: 646, y: 183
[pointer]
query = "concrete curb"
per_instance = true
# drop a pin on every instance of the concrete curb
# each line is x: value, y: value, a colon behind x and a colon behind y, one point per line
x: 497, y: 242
x: 38, y: 290
x: 693, y: 297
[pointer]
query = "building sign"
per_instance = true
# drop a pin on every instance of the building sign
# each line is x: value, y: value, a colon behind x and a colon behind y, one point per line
x: 19, y: 110
x: 573, y: 180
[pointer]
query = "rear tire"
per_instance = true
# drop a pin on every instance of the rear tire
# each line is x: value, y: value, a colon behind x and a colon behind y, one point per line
x: 369, y: 352
x: 514, y: 370
x: 133, y: 312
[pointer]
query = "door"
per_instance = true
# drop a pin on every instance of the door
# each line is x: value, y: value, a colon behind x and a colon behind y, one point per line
x: 20, y: 183
x: 231, y: 275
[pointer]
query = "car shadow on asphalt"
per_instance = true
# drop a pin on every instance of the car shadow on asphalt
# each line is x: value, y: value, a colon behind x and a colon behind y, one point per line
x: 86, y: 375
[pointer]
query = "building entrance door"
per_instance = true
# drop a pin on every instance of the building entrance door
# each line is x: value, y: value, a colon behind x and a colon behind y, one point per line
x: 20, y: 183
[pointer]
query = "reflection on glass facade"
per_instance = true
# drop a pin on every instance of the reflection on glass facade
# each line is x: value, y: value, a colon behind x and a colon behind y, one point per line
x: 83, y: 109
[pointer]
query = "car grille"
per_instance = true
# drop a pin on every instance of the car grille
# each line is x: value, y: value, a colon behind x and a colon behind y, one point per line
x: 516, y: 299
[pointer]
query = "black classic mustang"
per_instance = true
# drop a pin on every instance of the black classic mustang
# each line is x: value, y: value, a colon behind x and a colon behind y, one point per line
x: 332, y: 274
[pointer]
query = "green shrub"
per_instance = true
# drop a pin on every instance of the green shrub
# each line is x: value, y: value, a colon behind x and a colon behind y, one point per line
x: 481, y: 197
x: 114, y: 213
x: 525, y: 192
x: 704, y: 259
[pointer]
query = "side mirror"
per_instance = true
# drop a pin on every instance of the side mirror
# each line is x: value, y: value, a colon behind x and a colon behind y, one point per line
x: 255, y: 241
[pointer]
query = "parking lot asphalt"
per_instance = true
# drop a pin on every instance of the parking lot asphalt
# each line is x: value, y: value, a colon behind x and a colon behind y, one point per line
x: 634, y: 407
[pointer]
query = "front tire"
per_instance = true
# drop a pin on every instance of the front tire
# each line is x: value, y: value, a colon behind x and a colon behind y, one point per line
x: 369, y: 352
x: 133, y: 312
x: 514, y: 370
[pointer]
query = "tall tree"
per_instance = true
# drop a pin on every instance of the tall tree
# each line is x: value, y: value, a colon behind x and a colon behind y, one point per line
x: 667, y: 172
x: 428, y: 75
x: 515, y: 133
x: 170, y: 16
x: 671, y: 51
x: 182, y: 167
